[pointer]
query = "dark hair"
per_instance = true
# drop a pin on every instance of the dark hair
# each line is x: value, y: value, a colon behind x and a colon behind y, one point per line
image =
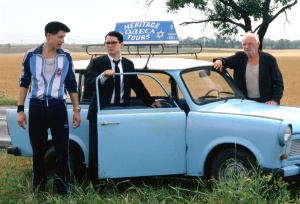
x: 55, y: 26
x: 115, y: 34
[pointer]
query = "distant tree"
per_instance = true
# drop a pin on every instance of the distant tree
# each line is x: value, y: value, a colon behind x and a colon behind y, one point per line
x: 296, y: 44
x: 228, y: 15
x: 188, y: 40
x: 231, y: 42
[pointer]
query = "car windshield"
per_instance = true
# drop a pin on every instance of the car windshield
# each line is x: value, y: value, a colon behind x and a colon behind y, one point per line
x: 206, y: 85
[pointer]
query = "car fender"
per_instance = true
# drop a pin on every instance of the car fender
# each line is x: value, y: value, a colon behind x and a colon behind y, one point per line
x: 83, y: 146
x: 256, y: 132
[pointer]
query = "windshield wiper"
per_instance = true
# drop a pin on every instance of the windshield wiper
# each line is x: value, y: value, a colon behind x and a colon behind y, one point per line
x: 225, y: 99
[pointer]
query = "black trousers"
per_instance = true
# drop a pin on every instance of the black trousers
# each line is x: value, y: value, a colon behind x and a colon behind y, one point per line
x: 93, y: 153
x: 40, y: 120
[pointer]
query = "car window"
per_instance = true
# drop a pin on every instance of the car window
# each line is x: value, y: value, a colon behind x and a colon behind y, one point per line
x: 206, y: 86
x: 153, y: 86
x: 82, y: 93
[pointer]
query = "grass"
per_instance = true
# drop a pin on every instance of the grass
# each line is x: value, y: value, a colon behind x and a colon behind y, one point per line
x: 8, y: 101
x: 16, y: 187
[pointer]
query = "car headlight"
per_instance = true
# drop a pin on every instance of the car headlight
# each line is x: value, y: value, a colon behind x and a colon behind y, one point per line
x: 287, y: 134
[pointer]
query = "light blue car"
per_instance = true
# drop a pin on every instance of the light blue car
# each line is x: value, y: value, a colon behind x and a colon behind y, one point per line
x: 205, y: 128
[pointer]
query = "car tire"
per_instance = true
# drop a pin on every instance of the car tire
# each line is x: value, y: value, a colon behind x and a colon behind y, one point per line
x: 76, y: 167
x: 232, y: 162
x: 50, y: 162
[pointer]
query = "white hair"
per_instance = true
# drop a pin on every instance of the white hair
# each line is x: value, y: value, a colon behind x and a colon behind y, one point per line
x: 250, y: 34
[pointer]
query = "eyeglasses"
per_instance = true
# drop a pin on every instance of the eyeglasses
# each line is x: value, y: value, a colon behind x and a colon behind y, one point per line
x: 113, y: 43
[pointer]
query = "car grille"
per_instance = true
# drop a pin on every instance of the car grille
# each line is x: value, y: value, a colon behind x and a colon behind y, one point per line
x: 295, y: 147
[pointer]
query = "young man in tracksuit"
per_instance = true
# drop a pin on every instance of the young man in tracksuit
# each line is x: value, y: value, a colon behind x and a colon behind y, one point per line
x: 47, y: 71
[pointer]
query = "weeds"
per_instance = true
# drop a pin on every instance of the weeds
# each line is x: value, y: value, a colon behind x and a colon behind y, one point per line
x: 16, y: 187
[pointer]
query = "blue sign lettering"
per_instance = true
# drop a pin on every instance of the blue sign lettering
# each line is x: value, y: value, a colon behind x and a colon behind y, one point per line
x: 148, y: 32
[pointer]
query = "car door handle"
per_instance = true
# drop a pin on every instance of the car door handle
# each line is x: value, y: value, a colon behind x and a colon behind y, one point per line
x: 108, y: 123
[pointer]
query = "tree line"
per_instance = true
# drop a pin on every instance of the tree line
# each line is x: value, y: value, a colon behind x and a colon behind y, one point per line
x: 206, y: 42
x: 230, y: 42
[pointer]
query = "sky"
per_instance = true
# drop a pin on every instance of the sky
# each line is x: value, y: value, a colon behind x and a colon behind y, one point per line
x: 23, y: 21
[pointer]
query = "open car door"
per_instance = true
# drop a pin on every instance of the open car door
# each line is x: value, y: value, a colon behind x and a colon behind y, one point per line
x: 141, y: 141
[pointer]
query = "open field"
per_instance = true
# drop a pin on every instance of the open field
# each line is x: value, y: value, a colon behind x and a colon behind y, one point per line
x: 288, y: 60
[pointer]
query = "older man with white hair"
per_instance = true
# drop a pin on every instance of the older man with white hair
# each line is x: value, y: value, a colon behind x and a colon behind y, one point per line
x: 255, y: 72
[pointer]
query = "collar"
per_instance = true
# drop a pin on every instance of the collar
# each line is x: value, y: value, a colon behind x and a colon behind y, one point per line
x: 111, y: 59
x: 39, y: 50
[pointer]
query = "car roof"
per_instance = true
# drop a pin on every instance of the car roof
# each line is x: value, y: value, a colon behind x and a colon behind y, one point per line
x: 155, y: 63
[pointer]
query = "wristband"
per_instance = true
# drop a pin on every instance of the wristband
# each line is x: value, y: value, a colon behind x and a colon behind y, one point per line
x: 20, y: 108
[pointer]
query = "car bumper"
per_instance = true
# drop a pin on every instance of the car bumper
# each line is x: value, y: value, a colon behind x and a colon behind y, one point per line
x: 12, y: 150
x: 292, y: 170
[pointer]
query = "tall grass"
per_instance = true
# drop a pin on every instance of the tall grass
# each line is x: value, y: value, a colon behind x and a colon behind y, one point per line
x: 16, y: 187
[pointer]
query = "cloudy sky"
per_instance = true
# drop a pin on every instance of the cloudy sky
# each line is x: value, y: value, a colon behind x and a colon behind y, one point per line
x: 23, y: 21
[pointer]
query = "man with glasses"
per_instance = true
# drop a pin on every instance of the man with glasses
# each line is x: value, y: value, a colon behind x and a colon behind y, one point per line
x: 110, y: 95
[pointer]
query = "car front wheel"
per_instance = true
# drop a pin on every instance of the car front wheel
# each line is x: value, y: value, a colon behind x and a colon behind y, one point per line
x: 232, y: 163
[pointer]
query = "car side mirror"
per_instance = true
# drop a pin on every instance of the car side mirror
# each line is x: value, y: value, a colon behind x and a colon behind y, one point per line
x: 204, y: 73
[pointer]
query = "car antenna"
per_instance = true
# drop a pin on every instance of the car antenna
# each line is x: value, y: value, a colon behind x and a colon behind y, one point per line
x: 146, y: 65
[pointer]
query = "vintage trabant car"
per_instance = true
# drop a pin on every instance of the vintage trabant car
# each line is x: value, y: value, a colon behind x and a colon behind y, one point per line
x: 205, y: 127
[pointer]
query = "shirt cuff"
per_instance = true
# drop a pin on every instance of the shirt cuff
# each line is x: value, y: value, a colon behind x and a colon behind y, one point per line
x: 103, y: 79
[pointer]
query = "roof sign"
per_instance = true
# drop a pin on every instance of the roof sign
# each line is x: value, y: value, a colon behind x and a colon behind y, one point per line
x: 148, y: 32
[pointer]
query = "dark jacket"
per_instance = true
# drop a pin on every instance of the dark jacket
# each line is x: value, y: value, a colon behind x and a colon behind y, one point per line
x: 98, y: 66
x: 270, y: 78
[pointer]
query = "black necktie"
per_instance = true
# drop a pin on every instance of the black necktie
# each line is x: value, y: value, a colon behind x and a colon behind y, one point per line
x: 117, y: 83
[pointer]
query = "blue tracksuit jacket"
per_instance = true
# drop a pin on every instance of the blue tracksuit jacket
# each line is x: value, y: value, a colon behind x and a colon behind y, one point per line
x: 33, y: 75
